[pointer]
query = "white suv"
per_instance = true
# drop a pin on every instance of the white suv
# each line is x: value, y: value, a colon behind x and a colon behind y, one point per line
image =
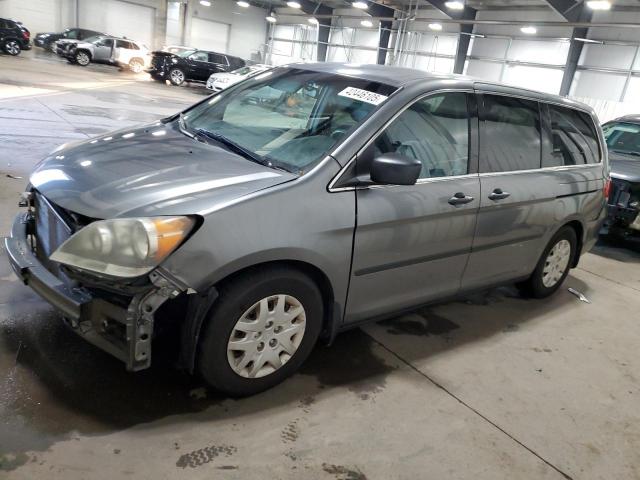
x: 115, y: 51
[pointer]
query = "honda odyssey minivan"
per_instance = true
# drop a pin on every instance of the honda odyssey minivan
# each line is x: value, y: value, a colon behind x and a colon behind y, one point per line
x: 303, y: 202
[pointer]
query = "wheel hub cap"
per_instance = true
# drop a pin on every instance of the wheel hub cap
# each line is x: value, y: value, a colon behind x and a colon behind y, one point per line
x: 12, y: 47
x: 266, y: 336
x: 556, y: 263
x: 177, y: 76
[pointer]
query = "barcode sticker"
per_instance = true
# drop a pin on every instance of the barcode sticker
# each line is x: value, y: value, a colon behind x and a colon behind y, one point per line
x: 363, y: 95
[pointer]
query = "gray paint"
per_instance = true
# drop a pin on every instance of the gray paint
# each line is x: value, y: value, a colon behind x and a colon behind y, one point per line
x: 410, y: 245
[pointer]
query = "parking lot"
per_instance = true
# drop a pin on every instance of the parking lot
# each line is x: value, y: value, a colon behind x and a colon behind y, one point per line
x: 491, y: 386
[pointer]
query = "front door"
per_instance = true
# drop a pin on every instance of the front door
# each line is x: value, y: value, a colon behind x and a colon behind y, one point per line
x: 198, y: 66
x: 412, y: 243
x: 103, y: 51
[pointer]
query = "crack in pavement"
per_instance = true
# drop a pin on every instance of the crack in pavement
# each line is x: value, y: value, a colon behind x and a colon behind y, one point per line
x: 465, y: 404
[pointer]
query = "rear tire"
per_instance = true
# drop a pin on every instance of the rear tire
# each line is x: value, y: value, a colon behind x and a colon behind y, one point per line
x: 11, y: 47
x: 136, y: 65
x: 261, y: 329
x: 553, y: 266
x: 176, y: 77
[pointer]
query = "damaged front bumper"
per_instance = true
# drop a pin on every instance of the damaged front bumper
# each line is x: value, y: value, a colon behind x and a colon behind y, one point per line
x: 123, y: 328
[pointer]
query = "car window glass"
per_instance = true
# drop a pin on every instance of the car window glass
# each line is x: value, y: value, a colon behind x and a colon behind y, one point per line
x: 2, y: 23
x: 107, y: 42
x: 509, y: 134
x: 435, y: 131
x: 574, y: 140
x: 71, y: 34
x: 623, y: 137
x: 290, y: 117
x: 10, y: 24
x: 217, y: 58
x: 199, y: 56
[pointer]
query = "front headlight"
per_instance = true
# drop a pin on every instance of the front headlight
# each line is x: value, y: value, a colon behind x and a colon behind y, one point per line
x: 124, y: 247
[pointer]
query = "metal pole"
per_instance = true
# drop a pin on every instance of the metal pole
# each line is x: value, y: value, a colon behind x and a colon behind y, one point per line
x: 505, y: 58
x: 626, y: 82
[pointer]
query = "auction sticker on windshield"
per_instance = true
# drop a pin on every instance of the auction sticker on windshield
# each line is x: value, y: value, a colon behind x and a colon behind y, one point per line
x: 363, y: 95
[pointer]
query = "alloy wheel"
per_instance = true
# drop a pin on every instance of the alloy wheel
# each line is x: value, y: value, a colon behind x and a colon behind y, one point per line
x: 136, y: 66
x: 266, y: 336
x: 82, y: 59
x: 556, y: 263
x: 177, y: 76
x: 12, y: 47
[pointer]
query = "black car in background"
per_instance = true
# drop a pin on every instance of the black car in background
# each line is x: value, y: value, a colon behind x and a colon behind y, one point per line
x: 45, y: 40
x: 623, y: 142
x: 14, y: 37
x: 190, y: 65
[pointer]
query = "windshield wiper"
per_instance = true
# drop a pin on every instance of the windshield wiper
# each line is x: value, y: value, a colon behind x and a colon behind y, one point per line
x: 233, y: 146
x: 626, y: 152
x: 183, y: 126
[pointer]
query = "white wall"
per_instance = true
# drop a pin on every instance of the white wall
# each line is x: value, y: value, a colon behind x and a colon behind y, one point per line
x: 247, y: 26
x: 39, y: 15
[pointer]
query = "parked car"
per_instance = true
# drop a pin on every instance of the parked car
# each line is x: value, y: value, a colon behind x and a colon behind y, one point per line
x: 14, y: 37
x: 220, y: 81
x: 233, y: 224
x: 110, y: 50
x: 46, y: 40
x: 623, y: 140
x: 190, y: 65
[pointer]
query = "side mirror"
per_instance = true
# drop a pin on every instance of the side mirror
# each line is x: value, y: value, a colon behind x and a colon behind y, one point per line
x: 395, y: 169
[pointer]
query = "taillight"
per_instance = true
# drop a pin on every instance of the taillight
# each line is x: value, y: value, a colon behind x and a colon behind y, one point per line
x: 25, y: 35
x: 607, y: 188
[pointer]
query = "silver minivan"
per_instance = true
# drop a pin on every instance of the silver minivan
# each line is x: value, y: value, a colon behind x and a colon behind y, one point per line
x: 303, y: 202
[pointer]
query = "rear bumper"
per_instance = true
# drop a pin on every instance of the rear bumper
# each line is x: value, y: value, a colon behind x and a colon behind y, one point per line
x: 124, y: 331
x: 623, y: 217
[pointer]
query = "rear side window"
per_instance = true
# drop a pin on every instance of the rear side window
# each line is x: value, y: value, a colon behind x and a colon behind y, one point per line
x: 217, y: 58
x: 435, y: 131
x: 509, y: 134
x: 574, y: 139
x: 3, y: 24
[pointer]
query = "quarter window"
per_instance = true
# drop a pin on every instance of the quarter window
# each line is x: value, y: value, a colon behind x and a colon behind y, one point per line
x: 574, y: 139
x: 435, y: 131
x: 509, y: 134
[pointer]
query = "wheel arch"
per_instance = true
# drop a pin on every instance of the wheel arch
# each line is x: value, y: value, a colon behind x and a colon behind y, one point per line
x: 199, y: 305
x: 578, y: 227
x: 85, y: 50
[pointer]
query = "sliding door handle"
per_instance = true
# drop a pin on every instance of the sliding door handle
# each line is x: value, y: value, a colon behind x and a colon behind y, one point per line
x: 498, y: 194
x: 460, y: 199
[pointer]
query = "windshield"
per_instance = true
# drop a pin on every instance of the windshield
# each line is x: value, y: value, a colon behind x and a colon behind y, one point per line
x: 623, y: 137
x: 242, y: 71
x: 95, y: 39
x: 183, y: 53
x: 288, y: 117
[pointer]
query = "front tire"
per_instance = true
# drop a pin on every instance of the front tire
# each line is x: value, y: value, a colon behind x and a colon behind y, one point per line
x: 554, y: 264
x: 12, y: 47
x: 260, y: 331
x: 82, y: 58
x: 176, y: 76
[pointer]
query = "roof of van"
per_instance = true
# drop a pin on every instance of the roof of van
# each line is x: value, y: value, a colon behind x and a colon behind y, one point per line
x: 400, y: 76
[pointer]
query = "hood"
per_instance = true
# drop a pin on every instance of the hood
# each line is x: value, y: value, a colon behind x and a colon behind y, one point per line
x: 624, y: 167
x: 151, y: 170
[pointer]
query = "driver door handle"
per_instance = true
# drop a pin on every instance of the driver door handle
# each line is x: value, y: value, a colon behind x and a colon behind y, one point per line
x: 498, y: 194
x: 460, y: 199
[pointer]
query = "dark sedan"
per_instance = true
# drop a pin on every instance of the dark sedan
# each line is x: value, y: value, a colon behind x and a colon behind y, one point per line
x: 623, y: 142
x: 191, y: 65
x: 46, y: 40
